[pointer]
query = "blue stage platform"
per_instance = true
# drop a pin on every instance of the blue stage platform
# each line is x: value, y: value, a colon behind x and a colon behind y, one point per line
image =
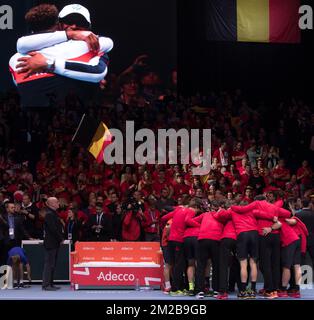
x: 65, y: 293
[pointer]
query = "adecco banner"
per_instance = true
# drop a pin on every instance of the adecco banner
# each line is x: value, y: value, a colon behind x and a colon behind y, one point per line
x: 116, y: 264
x: 91, y: 276
x: 117, y: 252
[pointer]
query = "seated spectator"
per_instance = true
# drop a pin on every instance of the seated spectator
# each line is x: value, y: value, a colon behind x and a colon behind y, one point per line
x: 305, y: 176
x: 222, y: 154
x: 253, y: 153
x: 179, y: 187
x: 272, y: 157
x: 161, y: 183
x: 130, y: 96
x: 292, y: 187
x: 256, y: 181
x: 232, y: 174
x: 63, y: 187
x: 238, y: 154
x: 245, y: 176
x: 145, y: 184
x: 242, y: 168
x: 199, y: 194
x: 281, y: 174
x: 248, y: 195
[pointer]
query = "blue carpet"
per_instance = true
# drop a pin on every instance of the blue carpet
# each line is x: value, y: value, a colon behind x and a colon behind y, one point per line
x: 65, y: 293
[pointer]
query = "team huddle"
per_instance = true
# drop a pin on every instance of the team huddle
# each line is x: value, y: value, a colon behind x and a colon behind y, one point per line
x: 59, y: 56
x: 272, y: 235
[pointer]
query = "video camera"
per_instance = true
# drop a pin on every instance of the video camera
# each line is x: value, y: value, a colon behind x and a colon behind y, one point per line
x: 132, y: 204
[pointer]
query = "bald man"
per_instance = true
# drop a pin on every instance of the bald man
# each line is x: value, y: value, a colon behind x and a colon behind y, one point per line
x: 53, y: 237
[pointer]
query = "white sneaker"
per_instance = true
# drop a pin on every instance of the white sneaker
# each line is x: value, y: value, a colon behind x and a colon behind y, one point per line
x: 200, y: 295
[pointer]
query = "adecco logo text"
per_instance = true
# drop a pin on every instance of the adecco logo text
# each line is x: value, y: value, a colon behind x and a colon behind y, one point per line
x: 116, y: 277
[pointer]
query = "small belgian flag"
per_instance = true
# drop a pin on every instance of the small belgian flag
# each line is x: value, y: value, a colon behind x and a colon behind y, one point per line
x: 93, y: 136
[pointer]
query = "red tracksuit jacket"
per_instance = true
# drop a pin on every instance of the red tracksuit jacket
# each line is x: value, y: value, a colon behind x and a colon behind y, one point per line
x: 210, y: 227
x: 302, y: 232
x: 262, y: 205
x: 178, y: 223
x: 267, y: 223
x: 245, y: 217
x: 131, y: 226
x: 192, y: 229
x: 147, y: 224
x: 225, y: 217
x: 289, y: 234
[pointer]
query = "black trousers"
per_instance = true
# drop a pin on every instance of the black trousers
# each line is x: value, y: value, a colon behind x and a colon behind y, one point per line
x: 309, y: 249
x: 3, y: 253
x: 177, y: 260
x: 227, y: 258
x: 208, y: 249
x: 49, y: 266
x: 270, y: 261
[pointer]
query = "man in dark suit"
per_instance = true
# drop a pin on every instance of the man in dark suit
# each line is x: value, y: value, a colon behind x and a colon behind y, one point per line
x: 29, y: 213
x: 12, y: 231
x: 306, y: 215
x: 53, y: 237
x: 100, y: 225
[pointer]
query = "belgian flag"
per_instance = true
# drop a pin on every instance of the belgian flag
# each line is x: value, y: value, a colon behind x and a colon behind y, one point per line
x: 268, y: 21
x: 93, y: 136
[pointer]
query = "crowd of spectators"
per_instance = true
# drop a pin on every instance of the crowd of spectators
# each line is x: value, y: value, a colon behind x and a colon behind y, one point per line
x: 256, y: 148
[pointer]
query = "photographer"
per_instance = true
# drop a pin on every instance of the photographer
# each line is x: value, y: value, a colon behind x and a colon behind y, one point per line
x: 133, y: 218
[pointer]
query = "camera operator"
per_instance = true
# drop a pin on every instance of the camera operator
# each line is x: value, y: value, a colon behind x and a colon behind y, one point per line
x: 134, y: 215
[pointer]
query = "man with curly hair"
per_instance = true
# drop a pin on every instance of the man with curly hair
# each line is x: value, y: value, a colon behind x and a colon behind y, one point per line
x: 62, y: 57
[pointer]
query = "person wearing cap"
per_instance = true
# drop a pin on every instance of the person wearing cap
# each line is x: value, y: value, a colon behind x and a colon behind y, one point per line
x: 58, y: 56
x: 74, y: 12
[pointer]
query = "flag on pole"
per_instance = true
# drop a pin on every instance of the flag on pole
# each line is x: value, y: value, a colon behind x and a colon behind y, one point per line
x: 93, y: 136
